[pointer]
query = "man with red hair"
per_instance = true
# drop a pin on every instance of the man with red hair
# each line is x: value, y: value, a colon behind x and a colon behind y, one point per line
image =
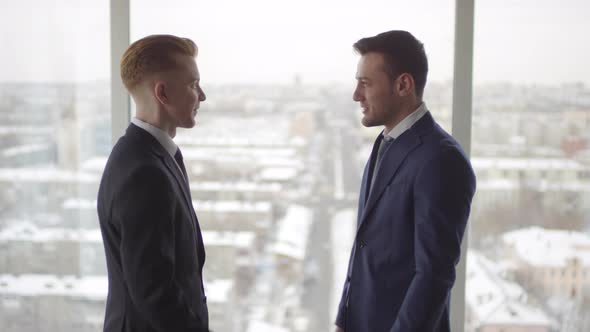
x: 152, y: 239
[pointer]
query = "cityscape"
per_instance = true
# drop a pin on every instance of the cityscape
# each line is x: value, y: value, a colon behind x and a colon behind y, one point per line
x: 274, y: 174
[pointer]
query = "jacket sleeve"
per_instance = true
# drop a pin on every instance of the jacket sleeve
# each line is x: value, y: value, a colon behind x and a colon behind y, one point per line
x: 145, y: 208
x: 443, y: 190
x: 341, y: 315
x: 341, y: 308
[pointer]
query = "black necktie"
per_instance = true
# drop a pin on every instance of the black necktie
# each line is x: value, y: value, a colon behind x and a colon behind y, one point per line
x: 382, y: 147
x: 179, y: 160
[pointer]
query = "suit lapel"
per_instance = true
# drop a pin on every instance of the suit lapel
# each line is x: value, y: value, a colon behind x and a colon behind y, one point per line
x: 393, y: 157
x: 371, y: 167
x: 395, y: 154
x: 182, y: 182
x: 145, y: 139
x: 169, y: 162
x: 364, y: 193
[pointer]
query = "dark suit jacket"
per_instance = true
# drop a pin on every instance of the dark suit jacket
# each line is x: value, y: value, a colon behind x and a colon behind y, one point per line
x: 153, y: 244
x: 408, y: 241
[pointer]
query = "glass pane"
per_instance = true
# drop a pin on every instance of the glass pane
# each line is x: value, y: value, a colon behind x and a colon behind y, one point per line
x: 276, y: 157
x: 54, y: 139
x: 529, y: 244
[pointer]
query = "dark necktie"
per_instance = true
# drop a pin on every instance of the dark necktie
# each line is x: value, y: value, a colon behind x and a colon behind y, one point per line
x: 385, y: 142
x: 179, y: 160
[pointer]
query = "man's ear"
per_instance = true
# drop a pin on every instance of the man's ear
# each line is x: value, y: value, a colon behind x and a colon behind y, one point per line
x: 160, y: 92
x: 405, y: 84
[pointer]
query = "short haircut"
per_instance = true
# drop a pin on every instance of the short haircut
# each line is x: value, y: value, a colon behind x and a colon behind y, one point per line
x: 403, y: 53
x: 153, y: 54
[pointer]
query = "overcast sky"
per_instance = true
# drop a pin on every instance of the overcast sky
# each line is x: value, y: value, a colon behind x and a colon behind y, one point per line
x: 266, y: 41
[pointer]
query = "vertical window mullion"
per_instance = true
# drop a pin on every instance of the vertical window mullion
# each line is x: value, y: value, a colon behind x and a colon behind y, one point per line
x: 461, y: 129
x: 120, y: 105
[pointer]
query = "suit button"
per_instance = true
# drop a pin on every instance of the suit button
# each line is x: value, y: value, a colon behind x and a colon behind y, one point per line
x: 348, y: 278
x: 363, y: 244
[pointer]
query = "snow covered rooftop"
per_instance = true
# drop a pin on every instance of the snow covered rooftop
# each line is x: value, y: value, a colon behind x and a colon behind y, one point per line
x: 552, y: 248
x: 234, y: 239
x: 47, y: 174
x: 79, y: 203
x: 30, y: 233
x: 343, y: 231
x: 541, y: 185
x: 278, y: 173
x: 494, y: 300
x: 256, y: 130
x: 95, y: 164
x: 24, y: 149
x: 231, y: 206
x: 92, y: 288
x: 526, y: 164
x: 293, y: 231
x: 210, y: 152
x: 242, y: 186
x: 260, y: 326
x: 229, y: 141
x: 218, y: 290
x: 26, y: 130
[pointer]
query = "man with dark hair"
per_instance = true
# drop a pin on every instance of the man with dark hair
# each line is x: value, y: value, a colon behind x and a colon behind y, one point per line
x: 153, y: 243
x: 414, y: 202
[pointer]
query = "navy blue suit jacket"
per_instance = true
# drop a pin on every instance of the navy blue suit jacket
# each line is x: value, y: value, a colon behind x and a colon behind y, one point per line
x: 410, y: 226
x: 152, y: 240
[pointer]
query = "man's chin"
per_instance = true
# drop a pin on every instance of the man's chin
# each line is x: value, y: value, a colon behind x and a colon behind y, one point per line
x: 368, y: 123
x: 189, y: 124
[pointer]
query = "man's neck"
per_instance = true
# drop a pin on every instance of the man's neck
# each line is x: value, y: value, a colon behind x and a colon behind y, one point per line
x: 153, y: 119
x: 404, y: 113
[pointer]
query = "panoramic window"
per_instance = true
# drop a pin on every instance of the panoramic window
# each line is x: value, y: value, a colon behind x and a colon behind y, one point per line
x: 529, y: 239
x: 276, y: 157
x: 55, y: 133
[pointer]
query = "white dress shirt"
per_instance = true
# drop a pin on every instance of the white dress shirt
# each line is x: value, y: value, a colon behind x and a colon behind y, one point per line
x: 407, y: 122
x: 161, y: 136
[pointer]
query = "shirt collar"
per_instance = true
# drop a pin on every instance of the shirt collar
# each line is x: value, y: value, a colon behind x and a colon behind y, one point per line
x: 406, y: 123
x: 161, y: 136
